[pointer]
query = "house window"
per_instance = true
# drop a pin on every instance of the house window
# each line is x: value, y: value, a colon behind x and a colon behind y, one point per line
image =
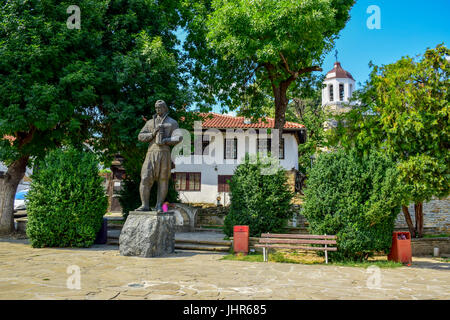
x: 341, y: 92
x: 265, y: 148
x: 205, y: 142
x: 331, y: 93
x: 222, y: 183
x: 187, y: 181
x: 230, y: 148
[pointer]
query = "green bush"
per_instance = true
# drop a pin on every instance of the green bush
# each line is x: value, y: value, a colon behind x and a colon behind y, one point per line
x: 258, y: 200
x: 66, y: 200
x: 356, y: 198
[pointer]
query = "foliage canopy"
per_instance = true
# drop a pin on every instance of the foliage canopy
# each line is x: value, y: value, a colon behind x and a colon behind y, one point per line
x: 356, y: 198
x: 246, y: 49
x: 404, y: 111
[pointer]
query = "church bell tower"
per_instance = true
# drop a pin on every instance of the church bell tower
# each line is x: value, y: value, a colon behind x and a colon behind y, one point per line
x: 338, y: 88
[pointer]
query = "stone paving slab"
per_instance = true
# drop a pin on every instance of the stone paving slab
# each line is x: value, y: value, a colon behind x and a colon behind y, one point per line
x: 29, y: 273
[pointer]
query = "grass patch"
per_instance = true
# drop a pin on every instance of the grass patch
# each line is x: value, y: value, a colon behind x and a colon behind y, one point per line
x: 365, y: 264
x: 444, y: 259
x: 310, y: 258
x: 251, y: 257
x: 436, y: 235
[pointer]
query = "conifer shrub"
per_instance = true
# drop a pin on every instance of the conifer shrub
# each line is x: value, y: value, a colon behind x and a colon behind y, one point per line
x: 356, y: 198
x: 259, y: 200
x: 66, y: 201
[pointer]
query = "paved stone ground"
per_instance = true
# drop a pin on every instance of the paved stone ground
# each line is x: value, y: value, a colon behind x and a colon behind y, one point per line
x: 27, y: 273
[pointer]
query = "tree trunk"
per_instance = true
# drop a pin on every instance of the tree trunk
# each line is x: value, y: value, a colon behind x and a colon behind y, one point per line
x: 409, y: 221
x: 418, y: 210
x: 281, y: 103
x: 8, y: 188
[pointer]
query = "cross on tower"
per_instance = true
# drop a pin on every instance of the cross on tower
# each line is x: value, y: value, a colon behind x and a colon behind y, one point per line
x: 336, y: 55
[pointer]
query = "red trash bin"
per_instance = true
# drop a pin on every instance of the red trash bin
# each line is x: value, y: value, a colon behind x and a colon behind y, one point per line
x: 240, y: 239
x: 401, y: 247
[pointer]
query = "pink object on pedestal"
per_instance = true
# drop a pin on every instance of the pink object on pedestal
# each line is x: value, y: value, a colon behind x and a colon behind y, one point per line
x: 165, y: 207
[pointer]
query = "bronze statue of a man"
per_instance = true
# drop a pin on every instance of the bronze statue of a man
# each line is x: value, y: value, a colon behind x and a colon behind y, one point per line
x: 159, y: 131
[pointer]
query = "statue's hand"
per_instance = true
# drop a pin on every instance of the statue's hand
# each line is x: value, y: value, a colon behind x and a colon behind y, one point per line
x: 158, y: 127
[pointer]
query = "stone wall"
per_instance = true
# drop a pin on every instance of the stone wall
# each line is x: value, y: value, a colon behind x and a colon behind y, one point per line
x: 425, y: 246
x: 210, y: 214
x: 436, y: 217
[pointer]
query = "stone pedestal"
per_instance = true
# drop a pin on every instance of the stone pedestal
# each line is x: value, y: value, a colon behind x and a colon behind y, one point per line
x: 148, y: 234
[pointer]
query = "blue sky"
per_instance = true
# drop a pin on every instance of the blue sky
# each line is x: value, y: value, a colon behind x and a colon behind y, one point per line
x: 408, y: 27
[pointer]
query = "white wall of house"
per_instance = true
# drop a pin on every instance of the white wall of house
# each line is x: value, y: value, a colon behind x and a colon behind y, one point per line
x: 210, y: 170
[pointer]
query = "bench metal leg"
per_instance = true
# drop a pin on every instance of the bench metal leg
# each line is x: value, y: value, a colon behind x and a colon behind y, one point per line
x: 264, y: 254
x: 326, y: 256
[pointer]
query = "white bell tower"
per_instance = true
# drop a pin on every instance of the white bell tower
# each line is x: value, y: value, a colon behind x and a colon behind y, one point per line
x: 338, y: 88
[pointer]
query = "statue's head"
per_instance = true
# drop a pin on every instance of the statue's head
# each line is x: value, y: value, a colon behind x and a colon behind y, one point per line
x: 161, y: 108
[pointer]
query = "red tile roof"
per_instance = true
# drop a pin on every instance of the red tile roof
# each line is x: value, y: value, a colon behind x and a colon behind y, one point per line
x: 223, y: 121
x: 10, y: 138
x: 338, y: 73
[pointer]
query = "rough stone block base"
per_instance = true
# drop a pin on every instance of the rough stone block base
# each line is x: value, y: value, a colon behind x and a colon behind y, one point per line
x: 148, y: 234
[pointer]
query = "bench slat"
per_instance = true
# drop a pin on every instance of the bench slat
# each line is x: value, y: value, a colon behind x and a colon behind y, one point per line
x: 296, y: 236
x: 296, y: 241
x: 295, y: 247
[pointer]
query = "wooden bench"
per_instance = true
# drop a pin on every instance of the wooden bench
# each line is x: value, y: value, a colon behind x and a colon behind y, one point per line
x: 295, y: 242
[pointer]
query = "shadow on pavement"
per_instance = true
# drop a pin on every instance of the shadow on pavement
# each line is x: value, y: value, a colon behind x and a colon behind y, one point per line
x: 429, y: 263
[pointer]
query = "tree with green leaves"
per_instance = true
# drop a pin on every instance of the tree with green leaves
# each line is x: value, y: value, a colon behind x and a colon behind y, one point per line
x: 248, y: 48
x: 47, y: 85
x: 404, y: 111
x: 140, y: 64
x: 62, y: 86
x: 305, y: 108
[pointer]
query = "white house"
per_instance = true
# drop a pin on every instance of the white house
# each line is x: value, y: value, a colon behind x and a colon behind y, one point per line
x: 201, y: 177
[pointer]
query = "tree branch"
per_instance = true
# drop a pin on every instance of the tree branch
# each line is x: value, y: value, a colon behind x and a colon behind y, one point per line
x: 296, y: 74
x: 252, y: 73
x: 286, y: 65
x: 25, y: 137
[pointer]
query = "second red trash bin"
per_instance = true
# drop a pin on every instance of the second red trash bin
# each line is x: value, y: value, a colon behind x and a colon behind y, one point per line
x: 401, y: 247
x: 240, y: 239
